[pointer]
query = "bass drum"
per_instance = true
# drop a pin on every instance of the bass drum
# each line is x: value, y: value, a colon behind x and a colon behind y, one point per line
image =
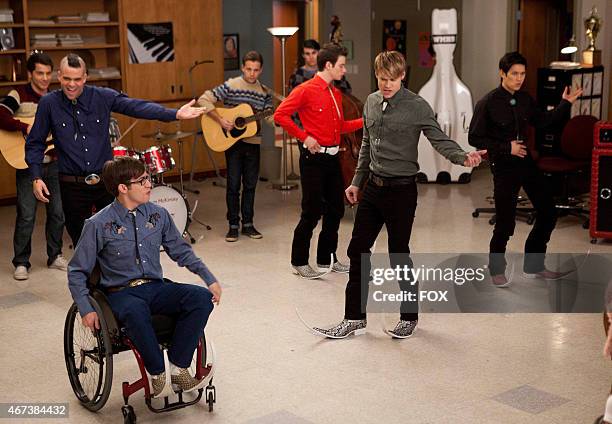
x: 176, y: 204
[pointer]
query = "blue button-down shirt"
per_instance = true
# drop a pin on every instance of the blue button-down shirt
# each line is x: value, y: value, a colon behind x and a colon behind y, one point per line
x: 126, y: 246
x: 80, y: 129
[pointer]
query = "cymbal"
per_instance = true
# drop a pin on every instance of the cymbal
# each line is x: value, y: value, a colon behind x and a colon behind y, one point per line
x: 162, y: 136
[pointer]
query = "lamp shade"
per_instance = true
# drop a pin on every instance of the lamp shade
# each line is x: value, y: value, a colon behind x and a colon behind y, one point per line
x: 571, y: 47
x: 283, y: 31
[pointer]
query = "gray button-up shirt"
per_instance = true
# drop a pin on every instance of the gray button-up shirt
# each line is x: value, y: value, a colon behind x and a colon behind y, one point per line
x: 390, y: 138
x: 126, y: 247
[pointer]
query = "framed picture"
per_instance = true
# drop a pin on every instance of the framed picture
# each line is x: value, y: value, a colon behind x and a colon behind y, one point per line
x: 576, y: 81
x: 596, y: 107
x: 597, y: 83
x: 231, y: 52
x: 348, y: 44
x: 585, y: 106
x: 587, y: 85
x: 394, y: 35
x: 150, y: 42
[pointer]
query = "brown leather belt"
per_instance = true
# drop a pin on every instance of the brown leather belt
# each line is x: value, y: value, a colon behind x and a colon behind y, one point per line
x: 391, y: 182
x: 91, y: 179
x: 132, y: 283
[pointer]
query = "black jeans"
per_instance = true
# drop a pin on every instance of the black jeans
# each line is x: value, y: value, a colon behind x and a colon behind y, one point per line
x: 242, y: 161
x: 395, y: 208
x: 79, y: 201
x: 26, y: 216
x: 322, y: 195
x: 507, y: 181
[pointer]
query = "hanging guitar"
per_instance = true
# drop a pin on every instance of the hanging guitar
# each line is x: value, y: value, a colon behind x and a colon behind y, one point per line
x: 245, y: 125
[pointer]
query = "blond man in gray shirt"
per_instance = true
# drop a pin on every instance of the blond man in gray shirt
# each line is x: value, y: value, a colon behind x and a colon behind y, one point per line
x: 393, y: 119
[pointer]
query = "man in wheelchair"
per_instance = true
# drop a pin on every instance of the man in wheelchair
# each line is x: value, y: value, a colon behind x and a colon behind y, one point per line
x: 124, y: 240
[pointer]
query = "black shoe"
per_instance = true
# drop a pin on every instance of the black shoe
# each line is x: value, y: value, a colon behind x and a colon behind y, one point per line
x: 232, y: 235
x: 251, y: 232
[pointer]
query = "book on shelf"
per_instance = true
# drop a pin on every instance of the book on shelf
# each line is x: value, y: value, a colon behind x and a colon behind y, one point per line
x: 107, y: 72
x: 69, y: 39
x: 94, y: 40
x: 43, y: 36
x: 6, y: 15
x: 68, y: 19
x: 41, y: 21
x: 43, y: 44
x: 97, y: 17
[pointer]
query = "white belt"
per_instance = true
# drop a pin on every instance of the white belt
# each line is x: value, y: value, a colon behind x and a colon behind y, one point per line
x: 331, y: 150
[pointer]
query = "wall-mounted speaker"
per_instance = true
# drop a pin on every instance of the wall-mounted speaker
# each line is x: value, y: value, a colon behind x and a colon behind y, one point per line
x: 7, y: 40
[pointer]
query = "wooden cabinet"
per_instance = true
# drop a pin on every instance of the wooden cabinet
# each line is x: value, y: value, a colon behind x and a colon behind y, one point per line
x: 197, y: 35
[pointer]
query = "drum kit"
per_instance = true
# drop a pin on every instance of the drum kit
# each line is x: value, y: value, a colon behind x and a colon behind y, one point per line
x: 158, y: 160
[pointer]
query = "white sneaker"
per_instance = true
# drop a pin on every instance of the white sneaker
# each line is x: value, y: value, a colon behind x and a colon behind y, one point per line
x: 21, y: 273
x: 59, y: 263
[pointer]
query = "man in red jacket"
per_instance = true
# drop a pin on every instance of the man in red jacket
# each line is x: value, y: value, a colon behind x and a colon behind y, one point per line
x: 319, y: 106
x: 39, y: 66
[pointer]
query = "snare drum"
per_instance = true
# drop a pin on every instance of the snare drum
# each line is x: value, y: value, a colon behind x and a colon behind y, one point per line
x: 158, y: 159
x: 124, y: 151
x: 176, y: 204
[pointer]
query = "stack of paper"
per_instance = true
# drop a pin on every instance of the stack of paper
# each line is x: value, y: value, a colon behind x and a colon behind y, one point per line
x: 6, y: 15
x: 97, y: 17
x: 43, y: 40
x: 70, y: 39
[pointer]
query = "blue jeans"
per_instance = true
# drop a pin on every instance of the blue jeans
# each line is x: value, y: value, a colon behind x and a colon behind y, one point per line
x: 26, y: 216
x: 190, y: 304
x: 242, y: 161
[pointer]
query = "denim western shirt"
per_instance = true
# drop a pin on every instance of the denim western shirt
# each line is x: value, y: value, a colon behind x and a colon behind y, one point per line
x: 390, y: 138
x: 80, y: 129
x: 126, y: 246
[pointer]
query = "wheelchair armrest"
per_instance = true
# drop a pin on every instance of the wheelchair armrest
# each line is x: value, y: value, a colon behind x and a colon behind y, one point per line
x: 109, y: 317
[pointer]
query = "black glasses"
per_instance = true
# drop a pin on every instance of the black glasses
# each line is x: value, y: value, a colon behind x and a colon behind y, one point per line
x: 142, y: 180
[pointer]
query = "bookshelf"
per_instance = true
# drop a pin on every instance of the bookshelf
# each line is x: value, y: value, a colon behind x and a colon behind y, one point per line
x: 101, y: 41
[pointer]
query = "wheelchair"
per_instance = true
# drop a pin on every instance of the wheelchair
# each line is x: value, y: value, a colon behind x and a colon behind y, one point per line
x: 89, y: 359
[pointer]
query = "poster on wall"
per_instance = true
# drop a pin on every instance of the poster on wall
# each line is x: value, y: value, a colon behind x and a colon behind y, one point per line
x: 231, y: 52
x: 394, y: 35
x: 426, y: 59
x: 150, y: 43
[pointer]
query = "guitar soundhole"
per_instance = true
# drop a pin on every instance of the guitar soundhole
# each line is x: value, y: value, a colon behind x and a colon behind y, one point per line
x: 236, y: 132
x: 239, y: 122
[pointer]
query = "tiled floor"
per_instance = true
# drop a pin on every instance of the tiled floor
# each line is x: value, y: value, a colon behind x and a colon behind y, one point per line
x: 470, y: 368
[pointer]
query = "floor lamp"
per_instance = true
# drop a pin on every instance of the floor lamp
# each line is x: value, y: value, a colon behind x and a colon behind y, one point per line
x: 282, y: 33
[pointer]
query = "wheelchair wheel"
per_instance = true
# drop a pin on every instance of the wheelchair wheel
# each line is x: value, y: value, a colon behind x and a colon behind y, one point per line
x: 89, y: 359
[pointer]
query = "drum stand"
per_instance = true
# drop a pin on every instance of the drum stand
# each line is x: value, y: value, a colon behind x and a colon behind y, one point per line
x: 182, y: 190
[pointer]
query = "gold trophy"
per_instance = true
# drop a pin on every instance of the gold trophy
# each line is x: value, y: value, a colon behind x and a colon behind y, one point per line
x: 591, y: 56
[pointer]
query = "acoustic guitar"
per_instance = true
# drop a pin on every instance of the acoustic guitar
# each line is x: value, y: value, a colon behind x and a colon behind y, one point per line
x: 245, y: 125
x: 12, y: 145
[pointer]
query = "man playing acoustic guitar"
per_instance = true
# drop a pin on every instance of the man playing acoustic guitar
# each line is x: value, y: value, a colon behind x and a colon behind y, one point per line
x: 39, y: 66
x: 242, y: 158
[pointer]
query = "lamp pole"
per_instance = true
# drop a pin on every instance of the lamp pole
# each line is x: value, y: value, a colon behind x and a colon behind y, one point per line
x: 283, y: 33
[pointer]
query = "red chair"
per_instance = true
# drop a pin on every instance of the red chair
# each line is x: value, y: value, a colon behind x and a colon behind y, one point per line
x: 576, y: 148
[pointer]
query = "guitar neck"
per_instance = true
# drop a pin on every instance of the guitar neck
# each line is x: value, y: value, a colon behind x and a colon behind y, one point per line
x: 258, y: 116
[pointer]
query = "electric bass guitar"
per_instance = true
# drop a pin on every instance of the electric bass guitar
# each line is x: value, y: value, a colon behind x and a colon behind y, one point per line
x: 12, y: 145
x: 245, y: 125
